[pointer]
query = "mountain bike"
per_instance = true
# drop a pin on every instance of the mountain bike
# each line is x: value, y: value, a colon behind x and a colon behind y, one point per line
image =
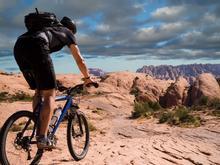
x: 18, y: 134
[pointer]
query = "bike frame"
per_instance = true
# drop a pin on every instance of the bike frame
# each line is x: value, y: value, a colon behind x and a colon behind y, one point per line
x: 67, y: 106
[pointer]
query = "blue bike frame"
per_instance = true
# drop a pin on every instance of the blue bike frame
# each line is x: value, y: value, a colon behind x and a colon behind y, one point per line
x: 64, y: 110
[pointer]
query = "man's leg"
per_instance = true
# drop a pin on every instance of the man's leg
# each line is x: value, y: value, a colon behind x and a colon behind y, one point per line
x: 36, y: 98
x: 46, y: 110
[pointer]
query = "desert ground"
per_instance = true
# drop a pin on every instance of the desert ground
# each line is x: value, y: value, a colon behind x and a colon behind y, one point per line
x: 119, y: 140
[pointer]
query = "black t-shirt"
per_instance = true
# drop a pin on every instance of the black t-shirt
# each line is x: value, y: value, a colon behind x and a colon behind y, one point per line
x: 58, y: 37
x: 54, y: 38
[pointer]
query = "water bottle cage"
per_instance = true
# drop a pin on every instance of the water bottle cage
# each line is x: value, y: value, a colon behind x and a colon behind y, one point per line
x: 55, y: 118
x: 52, y: 125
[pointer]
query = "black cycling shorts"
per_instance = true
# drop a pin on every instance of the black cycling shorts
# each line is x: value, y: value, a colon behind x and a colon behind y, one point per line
x: 33, y: 58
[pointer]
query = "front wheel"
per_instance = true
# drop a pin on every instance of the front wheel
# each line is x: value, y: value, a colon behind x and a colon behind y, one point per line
x: 78, y: 136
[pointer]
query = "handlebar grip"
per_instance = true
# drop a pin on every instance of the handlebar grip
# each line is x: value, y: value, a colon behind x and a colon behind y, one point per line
x: 96, y: 85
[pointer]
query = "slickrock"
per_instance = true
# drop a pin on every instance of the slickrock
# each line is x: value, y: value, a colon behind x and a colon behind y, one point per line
x: 176, y: 93
x: 205, y: 86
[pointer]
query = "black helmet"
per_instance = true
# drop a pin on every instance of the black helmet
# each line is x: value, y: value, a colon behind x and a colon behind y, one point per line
x: 70, y: 24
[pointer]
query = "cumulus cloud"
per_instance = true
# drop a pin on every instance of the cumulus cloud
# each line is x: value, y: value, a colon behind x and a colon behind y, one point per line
x: 169, y: 13
x: 176, y: 29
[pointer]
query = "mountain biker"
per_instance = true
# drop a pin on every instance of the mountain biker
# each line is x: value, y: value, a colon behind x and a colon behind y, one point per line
x: 32, y: 53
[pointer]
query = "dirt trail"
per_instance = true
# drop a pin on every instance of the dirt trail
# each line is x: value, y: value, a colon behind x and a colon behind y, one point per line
x: 123, y: 141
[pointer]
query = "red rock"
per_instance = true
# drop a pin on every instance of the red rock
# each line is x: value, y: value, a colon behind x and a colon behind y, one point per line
x: 176, y: 93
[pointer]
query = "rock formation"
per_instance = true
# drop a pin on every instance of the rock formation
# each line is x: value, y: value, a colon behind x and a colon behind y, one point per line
x: 148, y: 88
x: 187, y: 71
x: 176, y: 93
x: 126, y: 84
x: 145, y: 88
x: 205, y: 86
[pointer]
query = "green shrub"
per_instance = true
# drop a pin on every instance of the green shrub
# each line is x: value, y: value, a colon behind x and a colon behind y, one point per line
x: 204, y: 100
x: 154, y: 105
x: 3, y: 96
x: 135, y: 91
x: 165, y: 117
x: 145, y: 109
x: 19, y: 96
x: 181, y: 117
x: 214, y: 103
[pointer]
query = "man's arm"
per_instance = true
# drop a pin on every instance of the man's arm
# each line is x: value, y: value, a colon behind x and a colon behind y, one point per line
x: 80, y: 62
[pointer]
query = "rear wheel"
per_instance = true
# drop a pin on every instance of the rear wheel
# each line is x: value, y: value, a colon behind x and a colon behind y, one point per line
x: 17, y: 143
x: 78, y: 136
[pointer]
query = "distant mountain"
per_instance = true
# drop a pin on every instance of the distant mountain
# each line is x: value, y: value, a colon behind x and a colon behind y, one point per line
x: 173, y: 72
x: 97, y: 72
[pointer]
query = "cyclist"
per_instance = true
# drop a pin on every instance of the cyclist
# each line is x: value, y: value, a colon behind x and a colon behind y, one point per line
x: 32, y: 53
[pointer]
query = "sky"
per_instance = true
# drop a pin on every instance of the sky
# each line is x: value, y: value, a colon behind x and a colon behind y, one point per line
x: 124, y: 34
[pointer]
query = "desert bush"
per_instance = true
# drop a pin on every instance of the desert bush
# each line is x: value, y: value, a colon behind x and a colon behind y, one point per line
x: 203, y: 101
x: 180, y: 116
x: 19, y: 96
x: 135, y: 91
x: 214, y: 103
x: 164, y: 117
x: 207, y: 102
x: 3, y: 96
x: 145, y: 109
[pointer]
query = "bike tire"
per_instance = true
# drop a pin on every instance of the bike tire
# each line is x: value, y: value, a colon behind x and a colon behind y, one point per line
x: 6, y: 129
x: 71, y: 132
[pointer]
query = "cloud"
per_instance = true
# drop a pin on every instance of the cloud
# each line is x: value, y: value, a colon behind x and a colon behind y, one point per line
x: 163, y: 32
x: 5, y: 43
x: 169, y: 13
x: 172, y: 29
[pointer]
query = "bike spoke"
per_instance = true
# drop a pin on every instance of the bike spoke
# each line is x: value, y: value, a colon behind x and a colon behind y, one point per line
x: 18, y: 147
x: 78, y: 137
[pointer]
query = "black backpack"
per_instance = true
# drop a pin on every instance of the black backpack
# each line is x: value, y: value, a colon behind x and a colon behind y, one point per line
x: 38, y: 20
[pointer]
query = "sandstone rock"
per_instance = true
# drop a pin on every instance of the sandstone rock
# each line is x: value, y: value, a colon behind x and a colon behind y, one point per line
x: 205, y: 85
x: 121, y: 80
x: 144, y: 87
x: 148, y: 88
x: 176, y: 93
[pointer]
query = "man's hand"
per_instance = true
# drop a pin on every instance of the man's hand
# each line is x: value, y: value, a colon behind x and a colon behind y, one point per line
x: 88, y: 80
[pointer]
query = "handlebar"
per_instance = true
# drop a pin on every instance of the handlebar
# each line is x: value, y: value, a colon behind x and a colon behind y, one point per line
x: 76, y: 89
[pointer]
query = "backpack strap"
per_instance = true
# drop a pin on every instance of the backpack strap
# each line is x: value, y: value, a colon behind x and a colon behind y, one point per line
x: 48, y: 35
